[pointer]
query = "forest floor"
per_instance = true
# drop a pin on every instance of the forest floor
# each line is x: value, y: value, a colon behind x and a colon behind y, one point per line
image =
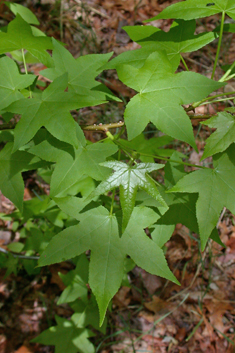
x: 152, y: 315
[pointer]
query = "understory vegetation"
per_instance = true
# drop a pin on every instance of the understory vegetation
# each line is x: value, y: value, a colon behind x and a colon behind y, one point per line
x: 118, y: 178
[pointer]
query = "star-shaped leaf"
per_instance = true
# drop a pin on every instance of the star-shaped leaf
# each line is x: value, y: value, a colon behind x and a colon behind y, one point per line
x: 129, y: 179
x: 216, y: 188
x: 161, y: 95
x: 192, y: 9
x: 180, y: 39
x: 11, y: 166
x: 223, y: 137
x: 81, y: 72
x: 19, y: 36
x: 72, y: 163
x: 66, y: 337
x: 50, y: 110
x: 98, y: 231
x: 11, y: 82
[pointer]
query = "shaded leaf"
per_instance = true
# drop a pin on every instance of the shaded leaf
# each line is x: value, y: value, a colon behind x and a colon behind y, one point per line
x: 66, y: 337
x: 216, y: 190
x: 223, y: 137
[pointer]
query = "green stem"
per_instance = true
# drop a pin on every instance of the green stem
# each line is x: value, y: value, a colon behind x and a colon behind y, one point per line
x: 197, y: 104
x: 26, y: 70
x: 219, y: 44
x: 217, y: 101
x: 183, y: 61
x: 227, y: 73
x: 112, y: 203
x: 164, y: 158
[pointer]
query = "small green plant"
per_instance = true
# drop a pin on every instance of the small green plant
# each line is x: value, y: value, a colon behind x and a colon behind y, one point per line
x: 104, y: 195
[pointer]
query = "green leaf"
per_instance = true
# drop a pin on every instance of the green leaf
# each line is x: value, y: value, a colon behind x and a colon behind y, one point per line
x: 87, y: 313
x: 11, y: 82
x: 97, y: 231
x: 71, y: 205
x: 51, y: 110
x: 192, y: 9
x: 216, y: 190
x: 144, y: 251
x: 72, y: 164
x: 19, y: 36
x: 180, y: 39
x: 161, y: 95
x: 24, y: 12
x: 223, y: 137
x: 11, y: 166
x: 162, y: 233
x: 81, y: 72
x: 107, y: 262
x: 76, y: 282
x: 66, y: 337
x: 129, y: 179
x: 150, y: 146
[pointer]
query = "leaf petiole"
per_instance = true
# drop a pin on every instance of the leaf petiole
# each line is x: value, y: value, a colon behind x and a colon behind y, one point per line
x: 26, y: 70
x: 219, y: 44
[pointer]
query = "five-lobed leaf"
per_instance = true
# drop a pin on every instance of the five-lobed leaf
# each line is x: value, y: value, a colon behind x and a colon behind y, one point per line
x: 129, y: 179
x: 11, y: 82
x: 81, y: 72
x: 216, y: 189
x: 51, y: 110
x: 73, y: 163
x: 161, y: 94
x: 19, y: 36
x: 223, y: 137
x: 180, y: 39
x: 192, y: 9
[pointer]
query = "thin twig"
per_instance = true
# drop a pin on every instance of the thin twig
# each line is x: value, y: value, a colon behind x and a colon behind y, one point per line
x: 19, y: 256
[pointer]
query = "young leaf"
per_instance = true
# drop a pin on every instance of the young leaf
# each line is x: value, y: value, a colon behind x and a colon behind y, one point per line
x: 180, y: 39
x: 216, y: 190
x: 19, y: 36
x: 81, y: 72
x: 129, y: 179
x: 192, y: 9
x: 11, y: 81
x: 144, y: 251
x: 11, y: 166
x: 66, y: 337
x: 161, y: 95
x: 51, y: 110
x: 223, y: 137
x: 24, y: 12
